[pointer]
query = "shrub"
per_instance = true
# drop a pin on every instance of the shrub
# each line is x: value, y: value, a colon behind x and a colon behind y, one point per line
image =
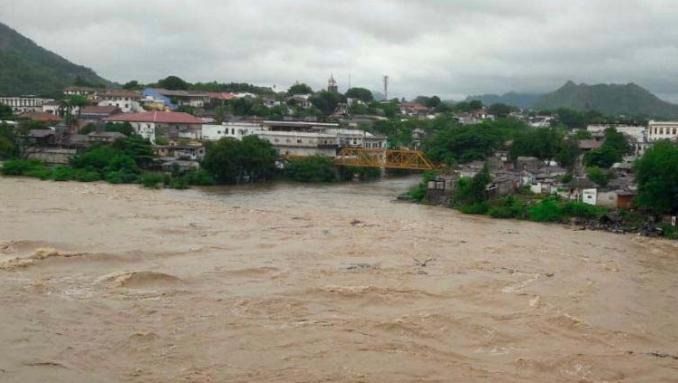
x: 198, y: 178
x: 21, y: 167
x: 41, y: 172
x: 63, y: 173
x: 311, y: 169
x: 475, y: 208
x: 178, y: 183
x: 121, y: 177
x: 508, y: 207
x: 548, y: 210
x: 418, y: 192
x: 86, y: 175
x: 152, y: 180
x: 581, y: 210
x: 668, y: 231
x: 598, y: 175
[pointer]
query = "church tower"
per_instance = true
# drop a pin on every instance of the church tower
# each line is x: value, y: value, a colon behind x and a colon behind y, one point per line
x: 332, y: 85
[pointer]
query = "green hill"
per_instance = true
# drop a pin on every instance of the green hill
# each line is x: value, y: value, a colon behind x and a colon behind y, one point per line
x: 26, y: 68
x: 610, y: 99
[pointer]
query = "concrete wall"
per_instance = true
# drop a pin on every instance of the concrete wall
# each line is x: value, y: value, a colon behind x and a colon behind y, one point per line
x: 55, y: 156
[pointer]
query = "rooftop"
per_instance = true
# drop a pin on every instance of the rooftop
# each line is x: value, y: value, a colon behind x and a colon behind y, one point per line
x: 40, y: 116
x: 156, y: 117
x: 110, y: 109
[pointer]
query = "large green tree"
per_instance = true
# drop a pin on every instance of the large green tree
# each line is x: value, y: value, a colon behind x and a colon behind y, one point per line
x: 657, y: 178
x: 326, y: 101
x: 299, y: 88
x: 613, y: 150
x: 362, y: 94
x: 231, y: 161
x: 173, y: 83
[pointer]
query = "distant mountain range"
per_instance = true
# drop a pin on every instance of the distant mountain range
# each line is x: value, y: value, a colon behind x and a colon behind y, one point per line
x: 520, y: 100
x: 610, y: 99
x: 26, y: 68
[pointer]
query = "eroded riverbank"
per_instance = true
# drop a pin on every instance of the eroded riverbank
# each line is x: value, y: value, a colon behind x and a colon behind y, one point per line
x: 336, y: 283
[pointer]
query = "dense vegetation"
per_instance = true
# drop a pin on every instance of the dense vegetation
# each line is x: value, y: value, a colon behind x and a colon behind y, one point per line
x: 26, y: 68
x: 613, y: 150
x: 231, y: 161
x: 463, y: 143
x: 657, y: 178
x: 471, y: 197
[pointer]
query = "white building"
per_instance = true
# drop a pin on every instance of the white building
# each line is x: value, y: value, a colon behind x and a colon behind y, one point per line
x: 24, y: 104
x: 236, y: 130
x: 357, y: 138
x: 52, y: 107
x: 125, y: 100
x: 662, y: 130
x: 298, y: 143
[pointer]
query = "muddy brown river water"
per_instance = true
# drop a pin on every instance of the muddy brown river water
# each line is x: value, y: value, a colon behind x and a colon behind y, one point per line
x: 291, y: 283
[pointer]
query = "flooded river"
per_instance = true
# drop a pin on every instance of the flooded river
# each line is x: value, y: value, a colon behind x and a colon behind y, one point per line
x: 293, y: 283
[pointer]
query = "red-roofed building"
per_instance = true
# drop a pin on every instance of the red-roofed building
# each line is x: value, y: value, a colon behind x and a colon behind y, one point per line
x: 413, y: 109
x: 168, y: 125
x: 222, y: 96
x: 92, y: 113
x: 41, y: 117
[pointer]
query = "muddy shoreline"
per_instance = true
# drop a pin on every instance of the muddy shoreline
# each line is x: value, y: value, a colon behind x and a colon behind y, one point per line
x: 305, y: 283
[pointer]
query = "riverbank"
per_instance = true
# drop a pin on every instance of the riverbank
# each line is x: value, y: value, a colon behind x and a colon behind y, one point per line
x: 292, y: 282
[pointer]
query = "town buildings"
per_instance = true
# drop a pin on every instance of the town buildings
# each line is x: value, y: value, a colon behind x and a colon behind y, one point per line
x: 23, y: 104
x: 125, y: 100
x: 94, y: 114
x: 163, y: 126
x: 662, y: 130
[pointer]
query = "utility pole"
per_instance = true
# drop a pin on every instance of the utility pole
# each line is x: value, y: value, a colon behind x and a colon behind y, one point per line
x: 386, y: 87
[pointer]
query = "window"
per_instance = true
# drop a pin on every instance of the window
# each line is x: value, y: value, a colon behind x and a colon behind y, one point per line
x: 298, y: 140
x: 233, y: 131
x: 275, y: 140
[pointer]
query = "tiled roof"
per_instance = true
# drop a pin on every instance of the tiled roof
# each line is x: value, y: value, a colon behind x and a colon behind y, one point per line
x: 40, y: 116
x: 157, y: 117
x: 110, y: 109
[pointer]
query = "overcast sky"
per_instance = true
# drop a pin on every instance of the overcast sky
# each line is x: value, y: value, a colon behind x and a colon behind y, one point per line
x: 449, y: 48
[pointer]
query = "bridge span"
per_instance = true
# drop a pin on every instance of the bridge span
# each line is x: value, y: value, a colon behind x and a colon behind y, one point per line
x: 384, y: 158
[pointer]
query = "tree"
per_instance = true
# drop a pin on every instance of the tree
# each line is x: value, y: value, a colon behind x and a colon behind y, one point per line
x: 231, y: 161
x: 173, y: 83
x: 598, y: 175
x: 613, y: 150
x: 5, y: 112
x: 541, y: 143
x: 568, y: 153
x: 9, y: 145
x: 362, y: 94
x: 433, y: 102
x: 657, y: 178
x: 500, y: 110
x: 133, y: 85
x: 299, y: 88
x: 473, y: 191
x: 475, y: 105
x: 326, y: 101
x: 120, y: 127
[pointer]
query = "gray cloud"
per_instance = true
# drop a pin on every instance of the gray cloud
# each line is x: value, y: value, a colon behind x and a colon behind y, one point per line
x: 449, y: 48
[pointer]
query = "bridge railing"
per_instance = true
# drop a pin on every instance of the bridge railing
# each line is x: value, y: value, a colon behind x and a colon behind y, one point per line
x: 384, y: 158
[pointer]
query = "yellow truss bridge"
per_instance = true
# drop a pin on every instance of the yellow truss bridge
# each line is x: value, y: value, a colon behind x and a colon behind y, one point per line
x: 383, y: 158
